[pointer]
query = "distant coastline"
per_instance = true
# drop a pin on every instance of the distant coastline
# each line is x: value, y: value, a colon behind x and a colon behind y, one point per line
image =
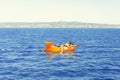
x: 59, y: 24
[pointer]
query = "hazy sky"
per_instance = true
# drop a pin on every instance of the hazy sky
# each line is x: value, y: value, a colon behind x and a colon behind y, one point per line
x: 95, y: 11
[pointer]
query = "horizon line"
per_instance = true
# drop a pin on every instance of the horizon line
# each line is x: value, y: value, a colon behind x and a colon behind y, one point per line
x: 58, y: 22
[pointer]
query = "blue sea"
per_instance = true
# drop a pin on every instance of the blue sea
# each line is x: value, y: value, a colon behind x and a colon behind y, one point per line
x: 98, y: 54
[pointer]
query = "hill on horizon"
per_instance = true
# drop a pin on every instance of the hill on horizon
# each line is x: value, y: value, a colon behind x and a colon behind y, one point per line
x: 59, y: 24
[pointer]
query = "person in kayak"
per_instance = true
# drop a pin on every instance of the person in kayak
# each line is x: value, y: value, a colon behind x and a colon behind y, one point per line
x: 65, y: 45
x: 51, y: 49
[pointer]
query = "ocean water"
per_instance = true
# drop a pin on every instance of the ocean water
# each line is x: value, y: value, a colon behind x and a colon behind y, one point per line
x: 98, y: 54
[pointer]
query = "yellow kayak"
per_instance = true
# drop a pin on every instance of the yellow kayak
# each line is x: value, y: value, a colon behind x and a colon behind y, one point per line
x: 50, y: 48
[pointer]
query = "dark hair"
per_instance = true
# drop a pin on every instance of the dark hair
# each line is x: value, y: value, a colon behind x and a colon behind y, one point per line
x: 69, y: 42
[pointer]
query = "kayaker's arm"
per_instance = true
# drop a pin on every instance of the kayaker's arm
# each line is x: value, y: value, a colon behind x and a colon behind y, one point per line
x: 76, y: 45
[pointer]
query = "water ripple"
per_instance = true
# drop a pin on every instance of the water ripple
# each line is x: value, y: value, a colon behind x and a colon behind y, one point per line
x: 97, y: 58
